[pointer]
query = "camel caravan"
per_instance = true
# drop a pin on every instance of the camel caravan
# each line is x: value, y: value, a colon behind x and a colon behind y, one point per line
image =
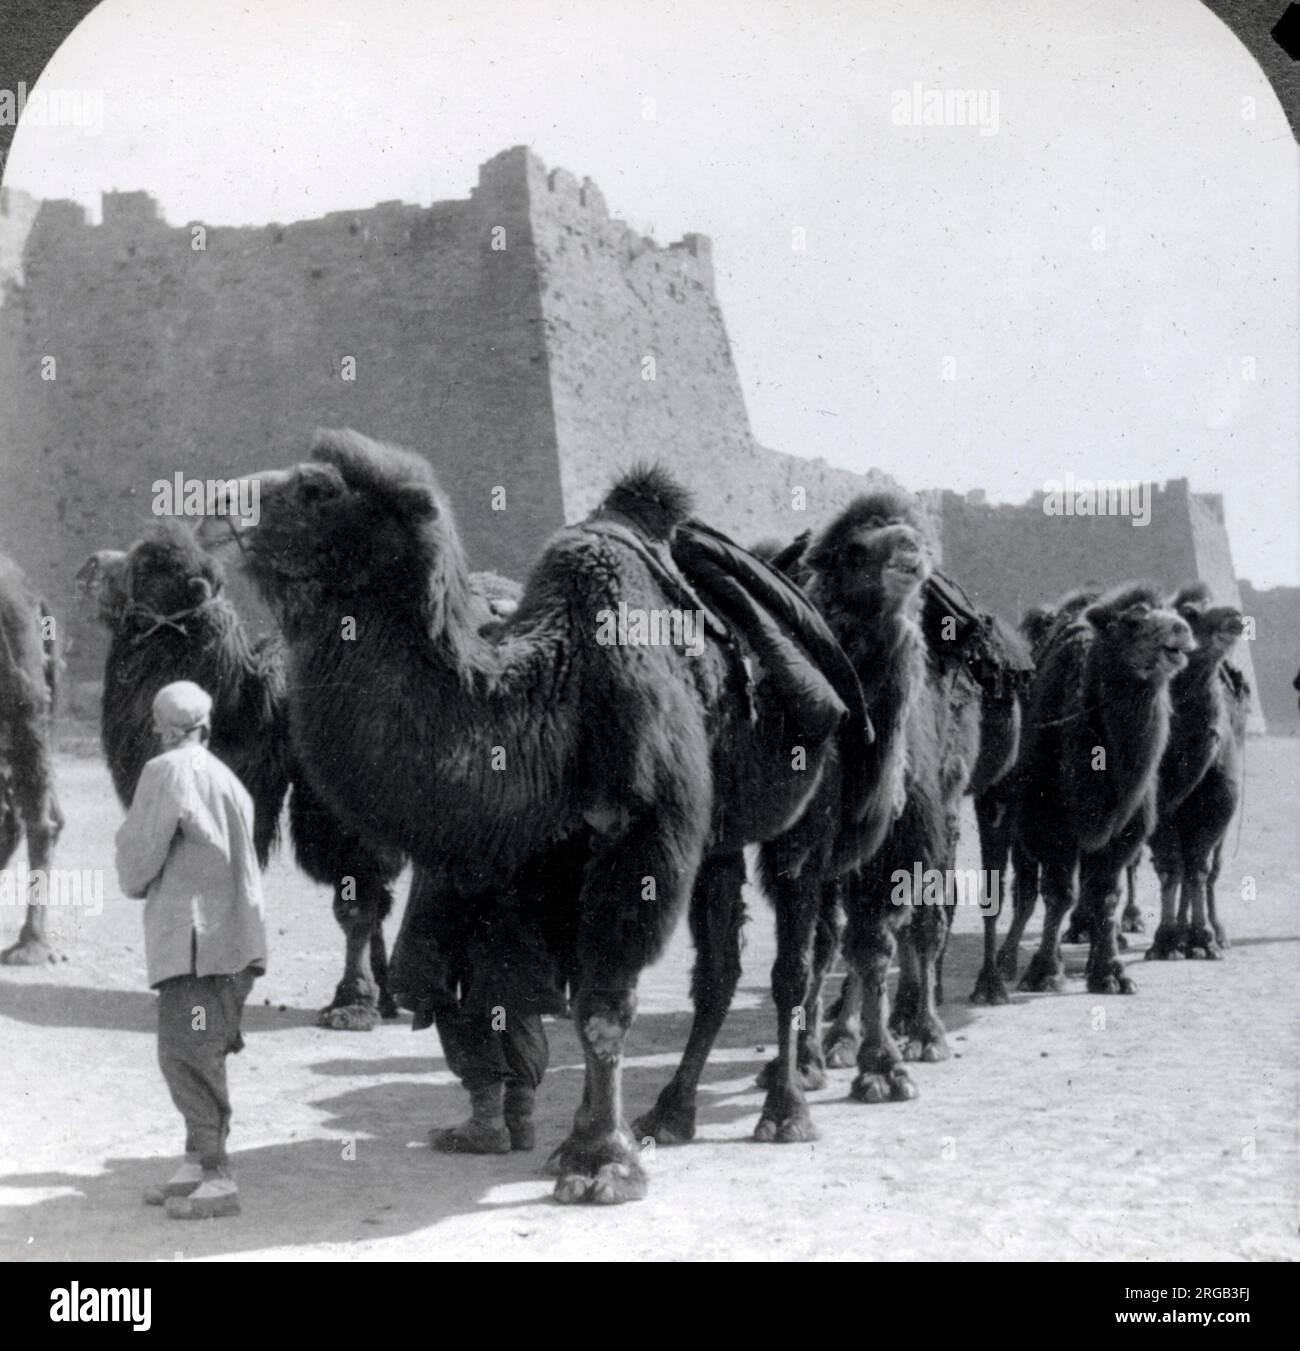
x: 565, y: 789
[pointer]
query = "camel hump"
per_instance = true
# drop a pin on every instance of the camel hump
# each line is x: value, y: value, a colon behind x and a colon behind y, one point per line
x: 794, y: 643
x: 651, y: 499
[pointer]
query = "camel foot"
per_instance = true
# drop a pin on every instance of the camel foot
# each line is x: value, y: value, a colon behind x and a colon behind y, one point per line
x: 1043, y: 976
x: 926, y: 1044
x: 1166, y: 945
x: 1009, y: 962
x: 1111, y: 982
x: 785, y: 1120
x: 811, y: 1074
x: 348, y: 1018
x: 989, y: 988
x: 1077, y: 933
x: 28, y: 952
x: 841, y: 1049
x: 668, y: 1122
x: 892, y: 1085
x: 471, y: 1137
x: 1131, y: 922
x: 601, y: 1171
x: 388, y: 1006
x: 1221, y: 935
x: 1202, y: 943
x: 1121, y: 942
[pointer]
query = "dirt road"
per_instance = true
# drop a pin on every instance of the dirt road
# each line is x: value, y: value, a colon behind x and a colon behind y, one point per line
x: 1070, y: 1126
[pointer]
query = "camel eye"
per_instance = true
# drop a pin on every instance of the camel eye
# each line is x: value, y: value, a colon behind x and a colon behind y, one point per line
x: 314, y: 490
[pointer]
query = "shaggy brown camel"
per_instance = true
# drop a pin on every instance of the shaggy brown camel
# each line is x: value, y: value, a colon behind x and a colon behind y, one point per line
x: 28, y: 685
x: 165, y: 607
x: 474, y: 754
x: 1097, y: 725
x: 1200, y: 781
x: 867, y: 574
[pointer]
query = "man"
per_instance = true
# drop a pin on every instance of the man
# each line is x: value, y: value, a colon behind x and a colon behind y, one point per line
x: 187, y: 847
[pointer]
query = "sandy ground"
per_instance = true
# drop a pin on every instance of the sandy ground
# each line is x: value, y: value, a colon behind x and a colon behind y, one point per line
x: 1069, y: 1126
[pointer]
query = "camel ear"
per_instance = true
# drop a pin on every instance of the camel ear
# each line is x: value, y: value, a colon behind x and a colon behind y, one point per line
x: 1102, y: 617
x: 417, y: 502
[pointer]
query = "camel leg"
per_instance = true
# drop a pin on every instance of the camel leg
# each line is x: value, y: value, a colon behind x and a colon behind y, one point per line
x: 785, y: 1118
x: 1099, y: 876
x: 379, y: 968
x: 1167, y: 859
x: 1200, y: 940
x: 841, y: 1040
x: 360, y: 905
x: 1025, y: 898
x: 921, y: 1029
x: 1199, y: 846
x: 599, y: 1161
x: 1131, y: 920
x: 717, y: 915
x: 646, y: 870
x: 1045, y: 970
x: 39, y: 811
x: 994, y: 820
x: 1216, y: 862
x: 869, y: 946
x: 810, y: 1053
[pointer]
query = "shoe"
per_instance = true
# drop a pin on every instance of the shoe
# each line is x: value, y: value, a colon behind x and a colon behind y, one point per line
x: 484, y: 1133
x: 471, y: 1137
x: 182, y: 1182
x: 214, y: 1198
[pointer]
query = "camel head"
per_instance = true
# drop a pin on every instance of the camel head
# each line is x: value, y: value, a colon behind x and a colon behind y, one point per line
x: 1216, y: 628
x: 358, y: 519
x: 1139, y: 634
x: 166, y: 573
x: 875, y: 553
x: 101, y: 580
x: 1035, y: 626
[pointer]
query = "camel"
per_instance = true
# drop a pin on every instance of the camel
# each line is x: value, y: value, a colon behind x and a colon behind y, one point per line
x: 993, y: 788
x: 1096, y: 728
x: 1038, y: 626
x: 870, y: 574
x: 29, y: 665
x: 164, y: 604
x: 475, y: 753
x: 1200, y: 781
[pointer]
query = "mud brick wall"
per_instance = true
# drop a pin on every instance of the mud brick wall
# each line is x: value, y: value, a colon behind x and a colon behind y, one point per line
x: 1010, y: 557
x: 511, y: 337
x: 1276, y: 652
x: 222, y: 360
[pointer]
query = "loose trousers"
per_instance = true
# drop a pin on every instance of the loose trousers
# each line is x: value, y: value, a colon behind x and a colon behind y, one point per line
x: 198, y: 1026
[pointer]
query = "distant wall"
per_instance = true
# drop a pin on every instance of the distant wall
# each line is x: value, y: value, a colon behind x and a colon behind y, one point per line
x: 520, y: 338
x: 1010, y: 557
x: 1276, y: 651
x: 222, y: 360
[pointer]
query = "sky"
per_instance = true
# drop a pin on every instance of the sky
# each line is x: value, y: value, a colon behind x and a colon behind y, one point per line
x: 1102, y: 279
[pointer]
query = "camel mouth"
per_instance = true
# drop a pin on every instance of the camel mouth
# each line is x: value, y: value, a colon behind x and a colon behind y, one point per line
x: 1172, y: 656
x: 219, y: 531
x: 905, y: 573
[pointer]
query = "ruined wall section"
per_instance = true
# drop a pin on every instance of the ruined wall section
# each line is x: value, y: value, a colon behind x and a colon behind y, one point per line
x: 221, y: 360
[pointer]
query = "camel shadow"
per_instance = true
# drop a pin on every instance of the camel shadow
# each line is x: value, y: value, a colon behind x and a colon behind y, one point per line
x: 376, y: 1178
x: 48, y: 1005
x: 367, y: 1173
